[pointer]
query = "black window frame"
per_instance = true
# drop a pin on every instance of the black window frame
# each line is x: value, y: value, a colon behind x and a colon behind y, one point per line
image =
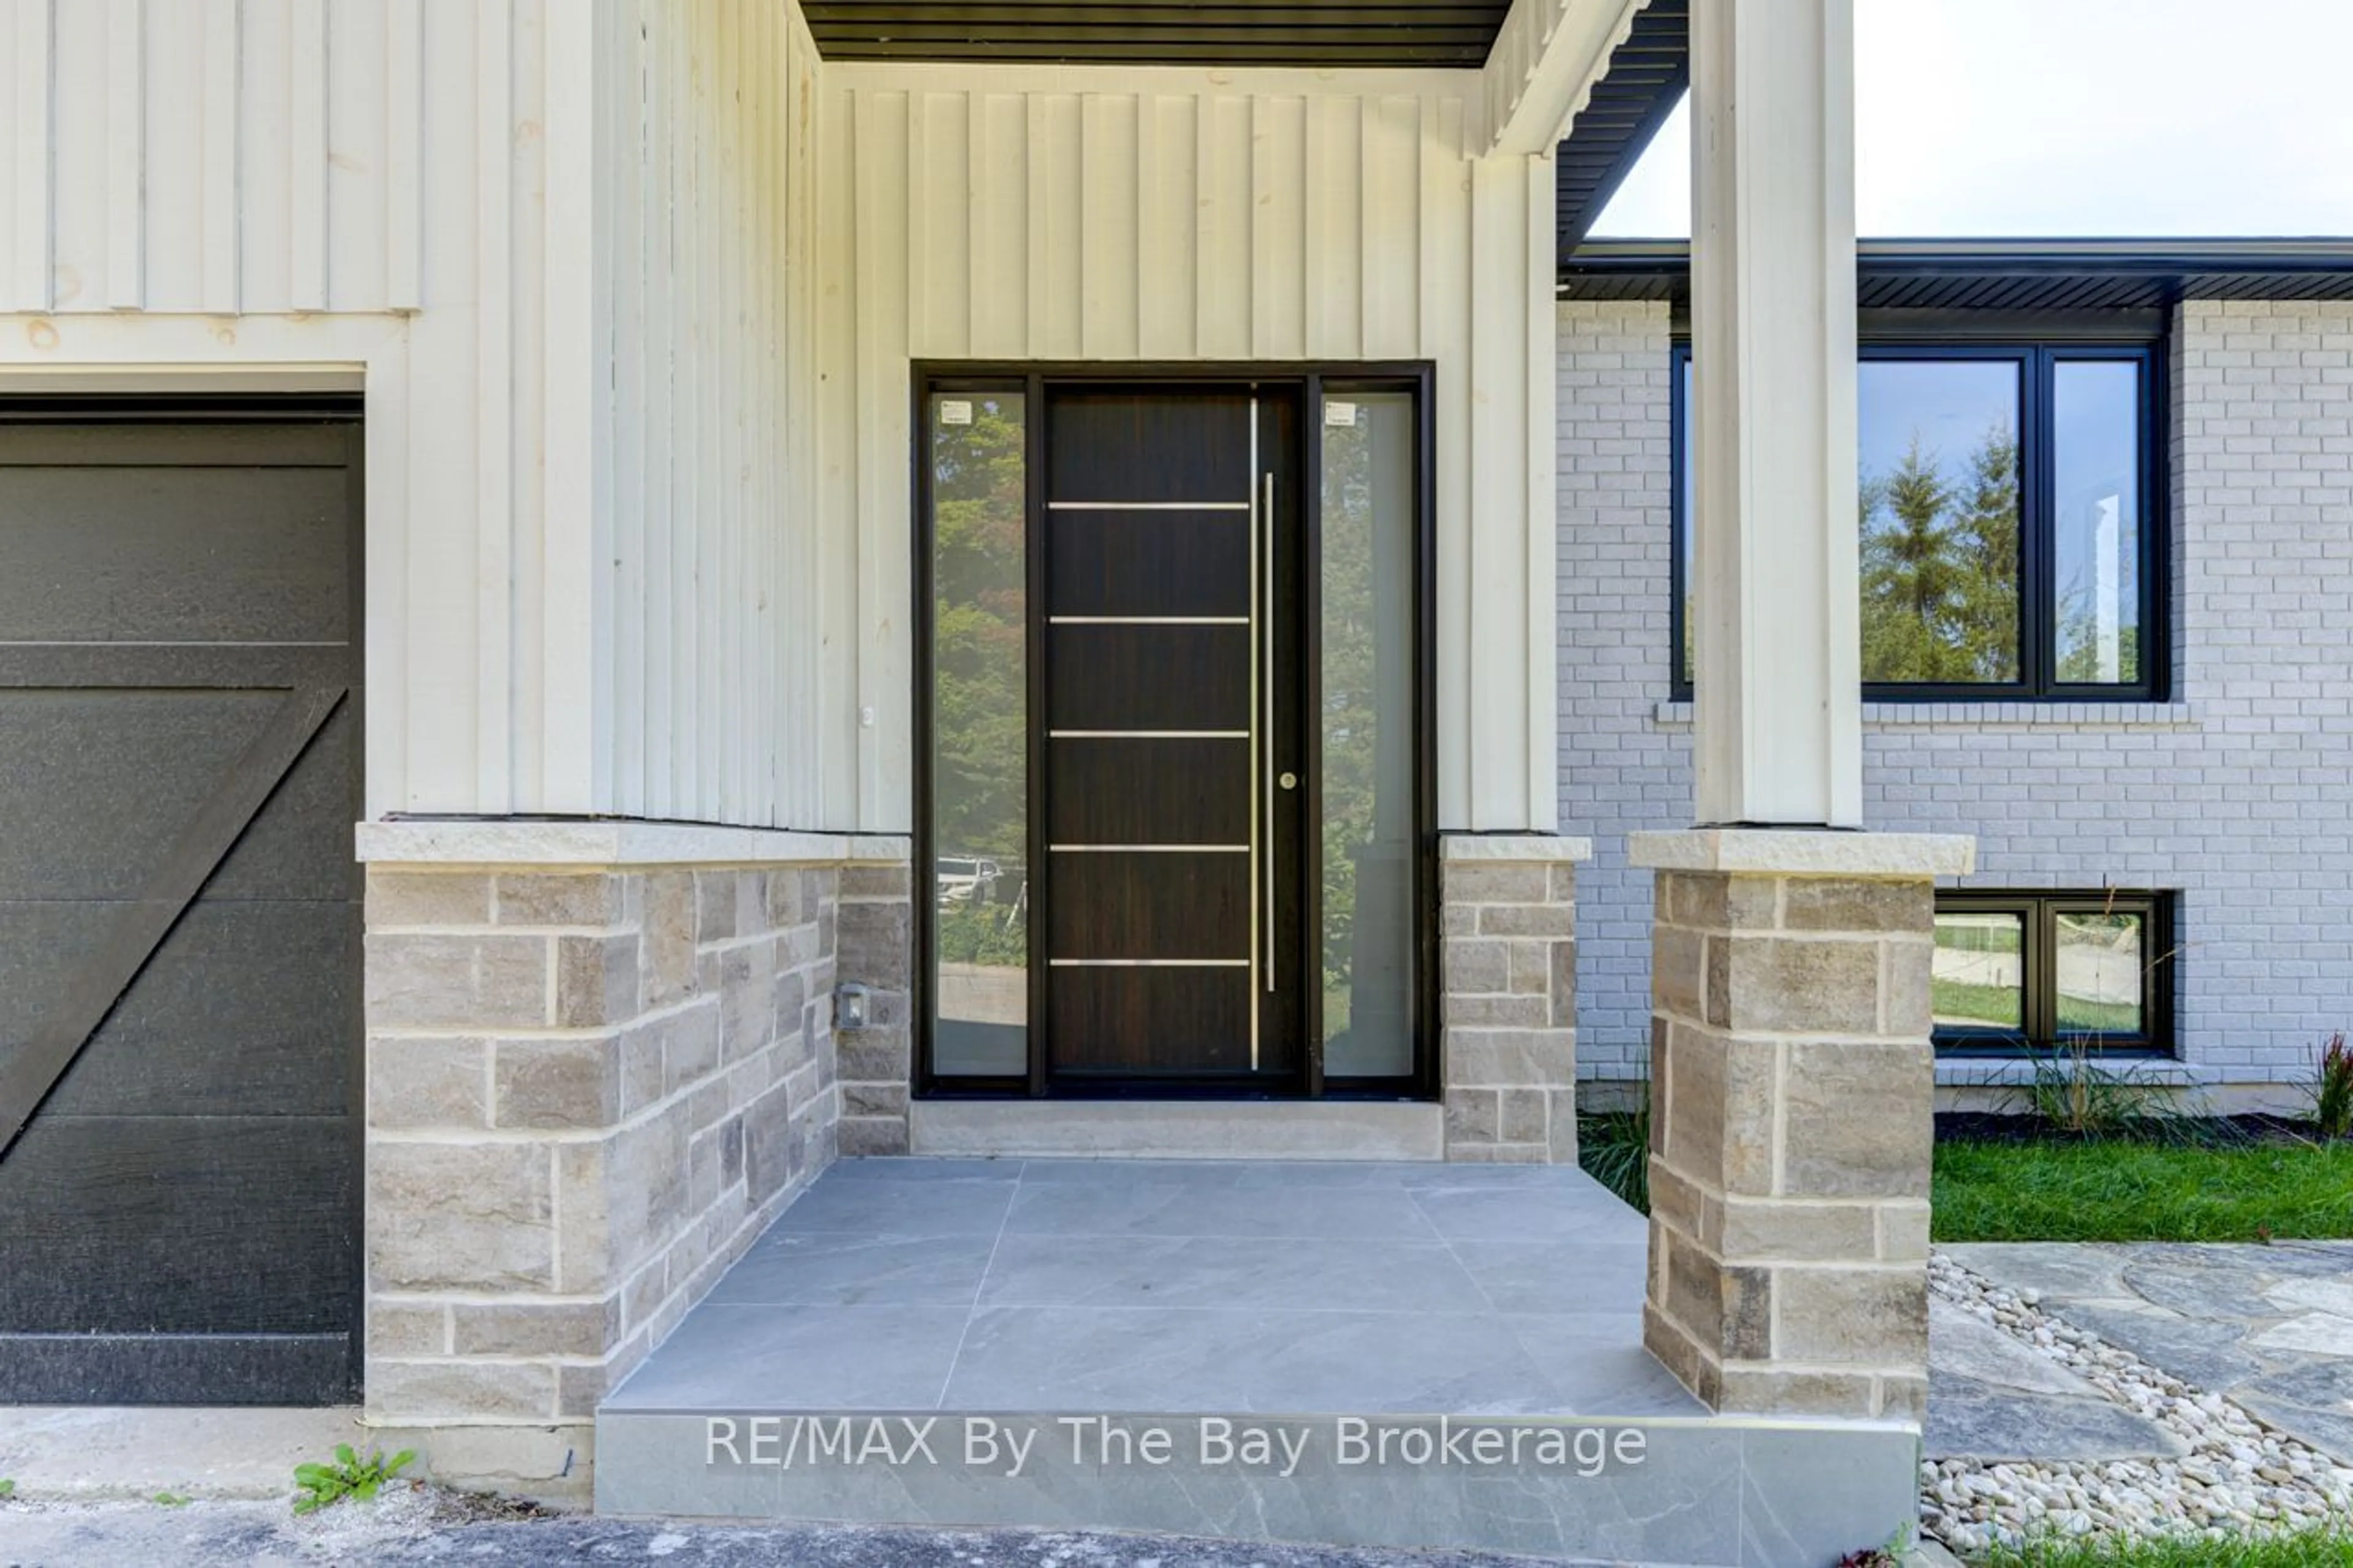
x: 2039, y: 911
x: 2038, y: 359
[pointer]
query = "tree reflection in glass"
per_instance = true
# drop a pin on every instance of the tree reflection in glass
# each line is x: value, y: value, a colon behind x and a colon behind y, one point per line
x: 1939, y: 496
x: 980, y: 786
x: 1365, y: 707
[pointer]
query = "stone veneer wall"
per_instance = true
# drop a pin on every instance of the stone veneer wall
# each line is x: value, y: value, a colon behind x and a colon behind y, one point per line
x: 877, y: 1062
x: 1508, y: 977
x: 589, y: 1089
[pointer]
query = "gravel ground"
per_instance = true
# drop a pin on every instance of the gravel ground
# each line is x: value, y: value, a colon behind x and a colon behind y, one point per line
x: 420, y: 1526
x: 2238, y: 1477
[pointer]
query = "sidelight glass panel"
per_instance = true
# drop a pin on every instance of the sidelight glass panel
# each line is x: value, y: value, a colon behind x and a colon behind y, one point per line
x: 1365, y: 707
x: 980, y: 782
x: 2101, y: 960
x: 1939, y: 483
x: 2097, y: 518
x: 1978, y: 981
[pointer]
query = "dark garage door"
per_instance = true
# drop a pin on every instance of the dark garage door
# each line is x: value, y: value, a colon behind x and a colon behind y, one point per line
x: 179, y: 916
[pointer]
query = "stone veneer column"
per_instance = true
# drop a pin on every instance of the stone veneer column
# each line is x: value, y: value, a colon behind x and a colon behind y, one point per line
x: 1508, y: 974
x: 600, y: 1059
x: 875, y: 924
x: 1791, y: 1100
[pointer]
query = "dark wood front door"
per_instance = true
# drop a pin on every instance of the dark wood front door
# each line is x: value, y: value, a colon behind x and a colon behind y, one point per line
x: 1171, y: 725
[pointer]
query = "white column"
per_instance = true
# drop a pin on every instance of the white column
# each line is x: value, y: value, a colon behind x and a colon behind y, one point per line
x: 1777, y: 722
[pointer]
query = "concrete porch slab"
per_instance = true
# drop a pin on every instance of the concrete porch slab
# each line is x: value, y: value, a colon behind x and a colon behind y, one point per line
x: 1133, y: 1327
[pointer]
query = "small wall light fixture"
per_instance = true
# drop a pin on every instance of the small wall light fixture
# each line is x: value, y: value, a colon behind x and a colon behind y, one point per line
x: 852, y: 1005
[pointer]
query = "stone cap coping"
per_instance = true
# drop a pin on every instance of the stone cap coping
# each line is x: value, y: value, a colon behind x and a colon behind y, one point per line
x: 1549, y: 847
x: 524, y: 841
x: 1805, y: 852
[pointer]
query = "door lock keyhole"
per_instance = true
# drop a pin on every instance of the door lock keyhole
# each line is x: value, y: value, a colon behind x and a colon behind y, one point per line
x: 1288, y: 781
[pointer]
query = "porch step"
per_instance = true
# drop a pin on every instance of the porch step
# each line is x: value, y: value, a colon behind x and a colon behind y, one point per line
x: 1707, y: 1494
x: 1369, y: 1354
x: 1180, y: 1128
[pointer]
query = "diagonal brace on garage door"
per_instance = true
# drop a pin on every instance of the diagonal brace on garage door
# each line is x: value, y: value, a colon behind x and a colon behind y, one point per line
x: 143, y: 925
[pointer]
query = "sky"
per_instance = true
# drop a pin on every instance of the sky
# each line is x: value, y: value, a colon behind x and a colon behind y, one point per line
x: 2040, y: 118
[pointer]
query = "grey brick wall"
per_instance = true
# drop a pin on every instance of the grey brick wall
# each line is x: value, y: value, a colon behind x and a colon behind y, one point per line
x: 2237, y: 795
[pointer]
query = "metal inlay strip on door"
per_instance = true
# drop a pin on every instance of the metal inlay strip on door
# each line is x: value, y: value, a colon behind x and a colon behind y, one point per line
x: 1150, y: 505
x: 1151, y: 963
x: 1149, y: 735
x: 1149, y: 848
x: 1147, y: 620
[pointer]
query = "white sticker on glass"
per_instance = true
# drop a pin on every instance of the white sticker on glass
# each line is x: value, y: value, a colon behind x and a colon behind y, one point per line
x: 955, y: 411
x: 1344, y: 414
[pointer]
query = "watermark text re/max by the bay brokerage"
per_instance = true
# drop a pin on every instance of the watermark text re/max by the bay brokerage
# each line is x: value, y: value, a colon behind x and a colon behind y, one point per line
x: 1017, y: 1446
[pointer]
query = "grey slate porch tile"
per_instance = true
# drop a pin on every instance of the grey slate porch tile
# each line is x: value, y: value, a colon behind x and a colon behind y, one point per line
x: 1252, y: 1273
x: 1178, y: 1286
x: 1150, y: 1293
x: 959, y: 1207
x: 1544, y: 1276
x: 1257, y: 1174
x: 903, y: 1168
x: 1205, y: 1360
x: 1146, y: 1207
x: 1531, y: 1212
x: 1800, y: 1488
x: 799, y: 1358
x: 1596, y: 1368
x: 847, y: 1268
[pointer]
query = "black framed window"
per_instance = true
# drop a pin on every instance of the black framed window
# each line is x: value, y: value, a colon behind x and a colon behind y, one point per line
x: 2011, y: 543
x: 2038, y: 971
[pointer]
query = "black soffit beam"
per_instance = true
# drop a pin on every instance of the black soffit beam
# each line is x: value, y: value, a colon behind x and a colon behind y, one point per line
x: 1646, y: 78
x: 1426, y: 33
x: 2008, y: 274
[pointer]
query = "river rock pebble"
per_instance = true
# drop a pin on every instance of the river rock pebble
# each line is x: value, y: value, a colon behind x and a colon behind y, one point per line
x: 2238, y: 1478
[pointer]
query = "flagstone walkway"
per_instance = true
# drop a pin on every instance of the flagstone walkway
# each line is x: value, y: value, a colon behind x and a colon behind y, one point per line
x: 2268, y: 1327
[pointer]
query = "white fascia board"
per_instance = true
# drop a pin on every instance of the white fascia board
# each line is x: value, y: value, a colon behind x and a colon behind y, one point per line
x: 1541, y: 70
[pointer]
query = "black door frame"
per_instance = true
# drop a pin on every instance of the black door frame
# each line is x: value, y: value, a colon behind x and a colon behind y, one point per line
x: 1031, y: 379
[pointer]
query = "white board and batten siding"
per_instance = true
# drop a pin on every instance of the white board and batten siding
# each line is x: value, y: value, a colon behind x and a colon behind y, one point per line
x: 633, y: 288
x: 358, y: 194
x: 1007, y: 214
x: 705, y: 473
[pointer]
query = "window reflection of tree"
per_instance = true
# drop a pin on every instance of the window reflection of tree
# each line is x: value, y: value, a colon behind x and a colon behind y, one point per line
x: 1940, y: 565
x: 1366, y: 709
x: 980, y: 713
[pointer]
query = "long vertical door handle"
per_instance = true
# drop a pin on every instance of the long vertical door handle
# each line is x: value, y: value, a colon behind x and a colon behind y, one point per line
x: 1273, y: 734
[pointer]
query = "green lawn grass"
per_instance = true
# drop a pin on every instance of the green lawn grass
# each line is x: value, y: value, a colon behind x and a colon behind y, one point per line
x: 2114, y: 1191
x: 2328, y: 1548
